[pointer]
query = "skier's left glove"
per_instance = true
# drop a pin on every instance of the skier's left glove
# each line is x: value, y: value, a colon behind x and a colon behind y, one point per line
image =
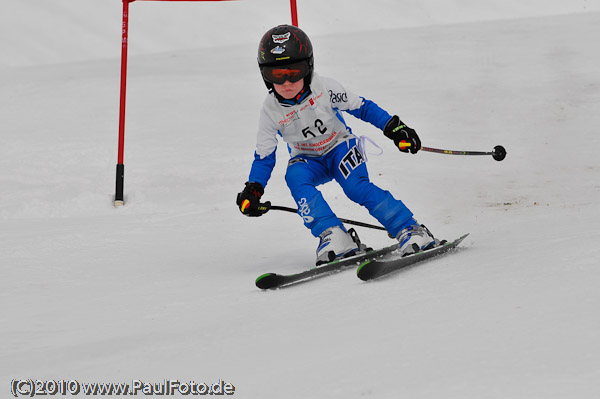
x: 249, y: 199
x: 405, y: 138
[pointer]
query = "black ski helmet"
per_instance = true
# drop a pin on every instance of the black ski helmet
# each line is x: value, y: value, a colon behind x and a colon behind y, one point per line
x: 285, y: 45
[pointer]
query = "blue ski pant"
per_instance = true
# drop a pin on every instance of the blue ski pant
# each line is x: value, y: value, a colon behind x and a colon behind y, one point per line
x: 344, y: 164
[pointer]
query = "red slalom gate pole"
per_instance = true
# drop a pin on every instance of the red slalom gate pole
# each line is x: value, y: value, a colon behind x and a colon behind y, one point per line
x: 119, y: 198
x: 120, y: 161
x: 294, y: 12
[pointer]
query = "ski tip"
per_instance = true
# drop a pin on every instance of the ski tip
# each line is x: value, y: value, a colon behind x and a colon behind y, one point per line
x: 268, y: 280
x: 363, y: 272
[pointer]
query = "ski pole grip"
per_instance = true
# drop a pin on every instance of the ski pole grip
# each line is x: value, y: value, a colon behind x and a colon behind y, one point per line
x: 264, y: 207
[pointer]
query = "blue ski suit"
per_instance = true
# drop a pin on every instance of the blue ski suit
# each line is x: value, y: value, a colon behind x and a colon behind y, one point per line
x: 323, y: 148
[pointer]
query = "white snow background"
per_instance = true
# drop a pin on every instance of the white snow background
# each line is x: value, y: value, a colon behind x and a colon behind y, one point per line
x: 163, y: 287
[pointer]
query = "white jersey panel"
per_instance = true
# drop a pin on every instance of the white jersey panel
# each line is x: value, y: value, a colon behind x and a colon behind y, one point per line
x: 266, y: 140
x: 341, y: 98
x: 310, y: 128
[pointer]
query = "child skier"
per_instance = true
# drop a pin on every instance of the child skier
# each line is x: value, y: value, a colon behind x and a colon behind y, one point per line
x: 304, y: 109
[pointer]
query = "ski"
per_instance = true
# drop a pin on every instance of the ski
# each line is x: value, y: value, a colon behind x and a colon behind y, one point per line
x: 274, y: 280
x: 375, y: 268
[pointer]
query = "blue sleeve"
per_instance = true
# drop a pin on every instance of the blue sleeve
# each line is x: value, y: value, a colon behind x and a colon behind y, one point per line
x: 371, y: 113
x: 262, y: 168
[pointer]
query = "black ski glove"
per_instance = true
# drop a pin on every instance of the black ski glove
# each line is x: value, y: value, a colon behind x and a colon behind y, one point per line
x: 397, y: 131
x: 249, y: 199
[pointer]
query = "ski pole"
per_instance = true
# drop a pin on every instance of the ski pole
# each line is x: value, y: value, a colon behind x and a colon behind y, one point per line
x: 499, y: 153
x: 266, y: 206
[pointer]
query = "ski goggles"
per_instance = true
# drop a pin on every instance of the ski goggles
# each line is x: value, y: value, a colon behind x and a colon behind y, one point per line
x: 281, y: 74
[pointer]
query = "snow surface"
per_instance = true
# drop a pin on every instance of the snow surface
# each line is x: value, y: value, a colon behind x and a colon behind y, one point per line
x: 164, y: 286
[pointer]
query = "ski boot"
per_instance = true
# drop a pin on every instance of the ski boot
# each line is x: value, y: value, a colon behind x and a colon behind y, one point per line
x: 336, y: 243
x: 415, y: 238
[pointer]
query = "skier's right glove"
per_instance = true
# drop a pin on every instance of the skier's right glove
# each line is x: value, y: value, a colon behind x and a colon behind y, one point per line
x: 404, y: 137
x: 249, y: 199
